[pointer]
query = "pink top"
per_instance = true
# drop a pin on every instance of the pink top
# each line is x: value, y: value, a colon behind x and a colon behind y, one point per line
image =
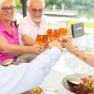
x: 10, y: 38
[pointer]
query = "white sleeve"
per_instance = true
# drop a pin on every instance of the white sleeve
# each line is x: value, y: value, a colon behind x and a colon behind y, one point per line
x: 24, y: 28
x: 16, y: 79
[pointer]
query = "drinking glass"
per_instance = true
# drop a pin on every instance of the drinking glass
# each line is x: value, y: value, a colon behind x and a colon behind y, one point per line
x: 62, y: 32
x: 42, y: 39
x: 52, y: 34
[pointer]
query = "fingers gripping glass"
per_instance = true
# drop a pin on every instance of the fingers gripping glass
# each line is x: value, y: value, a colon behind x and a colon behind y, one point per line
x: 6, y: 9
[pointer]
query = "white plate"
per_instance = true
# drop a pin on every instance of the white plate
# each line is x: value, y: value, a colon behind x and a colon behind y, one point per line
x: 78, y: 76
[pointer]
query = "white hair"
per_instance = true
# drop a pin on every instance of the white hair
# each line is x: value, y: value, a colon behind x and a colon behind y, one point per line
x: 3, y: 1
x: 30, y: 1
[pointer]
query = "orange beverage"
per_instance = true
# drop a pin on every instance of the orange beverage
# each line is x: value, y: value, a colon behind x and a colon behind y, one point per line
x: 42, y: 39
x: 62, y: 33
x: 52, y: 34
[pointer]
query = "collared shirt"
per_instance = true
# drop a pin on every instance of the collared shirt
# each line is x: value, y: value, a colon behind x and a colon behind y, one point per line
x: 10, y: 38
x: 15, y: 79
x: 28, y: 27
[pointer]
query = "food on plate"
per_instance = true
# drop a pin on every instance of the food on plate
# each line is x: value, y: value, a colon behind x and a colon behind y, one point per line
x: 37, y: 90
x: 8, y: 62
x: 75, y: 85
x: 83, y: 85
x: 88, y: 84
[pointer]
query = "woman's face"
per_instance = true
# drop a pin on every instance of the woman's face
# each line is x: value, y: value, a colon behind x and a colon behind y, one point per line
x: 7, y: 10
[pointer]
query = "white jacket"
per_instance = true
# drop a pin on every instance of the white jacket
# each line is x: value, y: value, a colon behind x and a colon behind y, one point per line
x: 15, y: 79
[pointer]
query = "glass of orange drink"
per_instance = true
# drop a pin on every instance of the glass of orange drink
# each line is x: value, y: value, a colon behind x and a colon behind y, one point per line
x: 62, y: 33
x: 42, y: 39
x: 52, y: 34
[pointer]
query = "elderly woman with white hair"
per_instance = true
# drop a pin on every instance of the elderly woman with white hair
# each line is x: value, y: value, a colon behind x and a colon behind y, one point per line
x: 16, y: 79
x: 9, y: 38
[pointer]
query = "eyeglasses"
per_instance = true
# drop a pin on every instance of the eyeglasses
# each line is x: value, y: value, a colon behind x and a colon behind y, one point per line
x: 37, y: 10
x: 6, y: 9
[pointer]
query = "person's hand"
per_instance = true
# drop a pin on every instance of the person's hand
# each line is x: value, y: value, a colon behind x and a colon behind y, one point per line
x: 54, y: 43
x: 37, y: 49
x: 66, y: 42
x: 45, y: 46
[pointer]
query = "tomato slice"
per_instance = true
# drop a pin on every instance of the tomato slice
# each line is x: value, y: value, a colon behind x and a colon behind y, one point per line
x: 85, y: 79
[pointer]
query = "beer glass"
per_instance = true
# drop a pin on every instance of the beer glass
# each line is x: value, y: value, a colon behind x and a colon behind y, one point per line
x: 42, y: 39
x: 62, y: 33
x: 52, y: 34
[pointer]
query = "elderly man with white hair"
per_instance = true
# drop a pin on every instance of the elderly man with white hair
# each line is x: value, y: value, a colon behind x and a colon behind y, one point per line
x: 33, y: 23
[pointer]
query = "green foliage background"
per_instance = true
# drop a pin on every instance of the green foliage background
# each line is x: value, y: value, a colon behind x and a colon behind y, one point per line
x: 84, y: 7
x: 18, y: 4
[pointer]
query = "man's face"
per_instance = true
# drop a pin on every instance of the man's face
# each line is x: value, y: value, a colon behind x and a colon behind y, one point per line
x: 36, y: 11
x: 7, y: 10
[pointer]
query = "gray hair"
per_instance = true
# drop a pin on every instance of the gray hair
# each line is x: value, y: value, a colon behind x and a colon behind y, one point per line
x: 29, y: 2
x: 3, y: 1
